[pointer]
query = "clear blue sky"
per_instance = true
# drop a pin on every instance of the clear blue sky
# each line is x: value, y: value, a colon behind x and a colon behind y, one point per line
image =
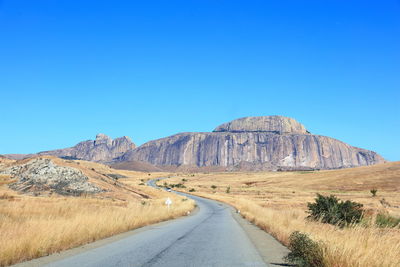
x: 149, y: 69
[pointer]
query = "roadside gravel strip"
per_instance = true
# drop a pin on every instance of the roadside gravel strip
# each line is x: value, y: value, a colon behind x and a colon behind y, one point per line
x: 214, y: 235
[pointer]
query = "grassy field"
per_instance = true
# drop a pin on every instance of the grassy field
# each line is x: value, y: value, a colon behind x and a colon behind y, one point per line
x: 277, y: 203
x: 35, y: 226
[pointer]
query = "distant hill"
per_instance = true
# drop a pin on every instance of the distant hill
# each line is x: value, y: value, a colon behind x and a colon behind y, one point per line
x: 248, y: 144
x: 253, y: 143
x: 102, y: 149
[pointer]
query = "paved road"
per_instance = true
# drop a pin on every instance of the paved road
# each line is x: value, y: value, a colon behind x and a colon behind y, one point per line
x: 213, y: 236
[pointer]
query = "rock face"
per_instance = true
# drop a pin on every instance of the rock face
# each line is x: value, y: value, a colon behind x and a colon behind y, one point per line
x: 268, y: 124
x: 40, y: 175
x: 103, y: 149
x: 254, y: 143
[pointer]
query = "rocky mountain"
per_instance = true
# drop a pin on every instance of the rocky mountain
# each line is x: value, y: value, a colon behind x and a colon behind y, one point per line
x: 103, y: 149
x: 253, y: 143
x: 267, y: 124
x: 43, y: 175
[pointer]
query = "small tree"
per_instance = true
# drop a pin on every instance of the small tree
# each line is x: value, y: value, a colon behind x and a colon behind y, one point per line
x: 228, y: 189
x: 373, y: 192
x: 214, y: 187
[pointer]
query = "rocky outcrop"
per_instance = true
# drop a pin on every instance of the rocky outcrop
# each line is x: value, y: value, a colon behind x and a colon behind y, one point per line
x: 42, y: 175
x: 103, y: 149
x: 254, y: 143
x: 269, y: 124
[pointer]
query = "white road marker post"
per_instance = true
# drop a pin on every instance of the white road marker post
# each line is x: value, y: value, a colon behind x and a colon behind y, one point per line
x: 168, y: 202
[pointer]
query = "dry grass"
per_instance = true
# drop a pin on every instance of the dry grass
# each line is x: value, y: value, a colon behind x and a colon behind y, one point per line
x: 276, y: 202
x: 32, y: 227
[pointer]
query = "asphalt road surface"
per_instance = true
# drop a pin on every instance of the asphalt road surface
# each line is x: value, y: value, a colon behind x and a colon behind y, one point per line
x: 214, y: 235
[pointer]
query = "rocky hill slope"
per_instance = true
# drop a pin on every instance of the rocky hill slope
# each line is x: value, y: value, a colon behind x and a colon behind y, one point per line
x: 103, y: 149
x: 253, y: 143
x: 47, y: 175
x: 42, y: 175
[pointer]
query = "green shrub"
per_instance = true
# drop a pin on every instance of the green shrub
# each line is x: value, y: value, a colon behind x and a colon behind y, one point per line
x: 214, y: 187
x: 304, y: 252
x: 384, y: 220
x: 180, y: 185
x: 373, y: 192
x: 192, y: 190
x: 228, y: 189
x: 328, y: 209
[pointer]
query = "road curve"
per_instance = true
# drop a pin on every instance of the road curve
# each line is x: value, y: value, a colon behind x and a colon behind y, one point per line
x: 213, y: 236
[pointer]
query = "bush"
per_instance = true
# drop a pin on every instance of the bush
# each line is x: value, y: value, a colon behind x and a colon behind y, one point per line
x: 331, y: 210
x: 304, y: 252
x: 177, y: 185
x: 192, y: 190
x: 116, y: 176
x: 384, y: 220
x: 228, y: 189
x: 214, y: 187
x: 373, y: 192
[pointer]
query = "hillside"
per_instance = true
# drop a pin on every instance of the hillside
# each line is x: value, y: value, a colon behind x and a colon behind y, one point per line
x: 295, y: 189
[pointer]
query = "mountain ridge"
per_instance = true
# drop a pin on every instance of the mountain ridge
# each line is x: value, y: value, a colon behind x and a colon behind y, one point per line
x: 248, y: 143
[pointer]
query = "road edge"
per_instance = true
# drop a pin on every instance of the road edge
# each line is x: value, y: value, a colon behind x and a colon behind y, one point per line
x: 265, y: 248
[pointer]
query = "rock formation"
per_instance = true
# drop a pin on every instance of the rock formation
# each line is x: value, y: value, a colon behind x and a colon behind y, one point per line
x: 103, y: 149
x: 42, y: 175
x: 253, y: 143
x: 268, y: 124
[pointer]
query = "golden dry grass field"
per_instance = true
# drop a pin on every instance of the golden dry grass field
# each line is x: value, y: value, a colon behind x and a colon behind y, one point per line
x: 35, y: 226
x: 277, y: 203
